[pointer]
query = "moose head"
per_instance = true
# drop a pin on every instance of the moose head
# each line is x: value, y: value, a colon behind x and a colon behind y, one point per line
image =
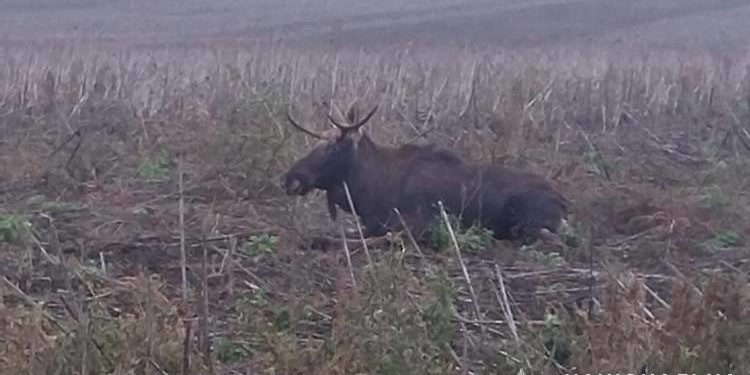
x: 327, y: 164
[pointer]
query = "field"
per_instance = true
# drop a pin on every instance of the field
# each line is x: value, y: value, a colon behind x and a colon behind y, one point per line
x: 133, y: 133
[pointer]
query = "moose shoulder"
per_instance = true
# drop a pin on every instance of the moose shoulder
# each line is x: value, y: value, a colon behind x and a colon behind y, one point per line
x: 413, y: 178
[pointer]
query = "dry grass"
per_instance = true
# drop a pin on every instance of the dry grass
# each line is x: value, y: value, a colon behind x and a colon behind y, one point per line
x: 651, y: 273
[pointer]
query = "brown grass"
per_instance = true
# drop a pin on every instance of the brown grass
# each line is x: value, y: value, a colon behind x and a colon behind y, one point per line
x: 651, y: 274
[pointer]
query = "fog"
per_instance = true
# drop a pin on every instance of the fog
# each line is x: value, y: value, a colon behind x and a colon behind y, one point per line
x: 676, y: 24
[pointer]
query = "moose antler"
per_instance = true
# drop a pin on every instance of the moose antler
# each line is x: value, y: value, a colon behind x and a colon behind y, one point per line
x: 348, y: 128
x: 300, y: 128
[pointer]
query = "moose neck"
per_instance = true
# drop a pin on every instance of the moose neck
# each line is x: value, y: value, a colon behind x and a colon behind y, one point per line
x: 359, y: 175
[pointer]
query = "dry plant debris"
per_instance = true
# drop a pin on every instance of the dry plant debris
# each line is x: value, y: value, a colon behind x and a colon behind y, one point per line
x: 111, y: 165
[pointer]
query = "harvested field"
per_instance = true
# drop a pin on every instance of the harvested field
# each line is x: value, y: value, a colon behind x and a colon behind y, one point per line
x: 122, y: 152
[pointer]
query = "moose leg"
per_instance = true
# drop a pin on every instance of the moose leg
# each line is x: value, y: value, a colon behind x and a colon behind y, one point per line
x: 525, y: 234
x: 410, y: 220
x: 383, y: 223
x: 530, y: 213
x: 374, y: 225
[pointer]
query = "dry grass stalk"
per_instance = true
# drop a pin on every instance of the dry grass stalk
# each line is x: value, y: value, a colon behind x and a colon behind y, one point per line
x: 157, y: 367
x: 654, y: 106
x: 230, y: 265
x: 504, y: 302
x: 342, y: 232
x: 203, y: 322
x: 409, y: 234
x: 356, y: 221
x: 656, y: 296
x: 181, y: 209
x: 102, y: 263
x: 502, y: 299
x: 83, y: 320
x: 149, y: 318
x: 186, y: 350
x: 30, y: 302
x: 51, y: 259
x: 467, y: 278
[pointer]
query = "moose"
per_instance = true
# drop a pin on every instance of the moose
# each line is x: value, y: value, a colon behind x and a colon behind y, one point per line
x: 392, y: 186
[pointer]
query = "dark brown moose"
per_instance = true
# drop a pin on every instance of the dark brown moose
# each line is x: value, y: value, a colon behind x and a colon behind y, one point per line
x: 514, y: 205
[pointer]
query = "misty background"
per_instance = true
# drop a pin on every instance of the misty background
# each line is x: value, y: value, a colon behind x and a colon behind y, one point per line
x: 688, y: 25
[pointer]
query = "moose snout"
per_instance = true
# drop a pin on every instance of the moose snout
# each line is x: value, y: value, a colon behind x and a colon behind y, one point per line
x: 295, y: 184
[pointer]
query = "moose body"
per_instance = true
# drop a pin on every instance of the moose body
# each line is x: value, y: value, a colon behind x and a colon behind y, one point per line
x: 413, y: 178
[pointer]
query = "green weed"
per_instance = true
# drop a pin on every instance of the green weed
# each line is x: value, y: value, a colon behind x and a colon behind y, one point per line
x: 60, y: 207
x: 260, y: 245
x: 715, y: 198
x: 14, y: 228
x: 154, y: 167
x: 438, y: 312
x: 551, y: 259
x: 471, y: 240
x: 382, y: 327
x: 228, y: 351
x: 724, y: 240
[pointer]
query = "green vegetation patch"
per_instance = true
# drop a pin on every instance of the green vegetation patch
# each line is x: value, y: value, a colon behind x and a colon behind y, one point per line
x: 13, y: 228
x: 154, y: 167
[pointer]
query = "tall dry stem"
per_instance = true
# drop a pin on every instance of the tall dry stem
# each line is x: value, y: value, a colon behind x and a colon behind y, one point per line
x: 356, y: 221
x: 467, y: 278
x: 181, y: 209
x: 342, y: 232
